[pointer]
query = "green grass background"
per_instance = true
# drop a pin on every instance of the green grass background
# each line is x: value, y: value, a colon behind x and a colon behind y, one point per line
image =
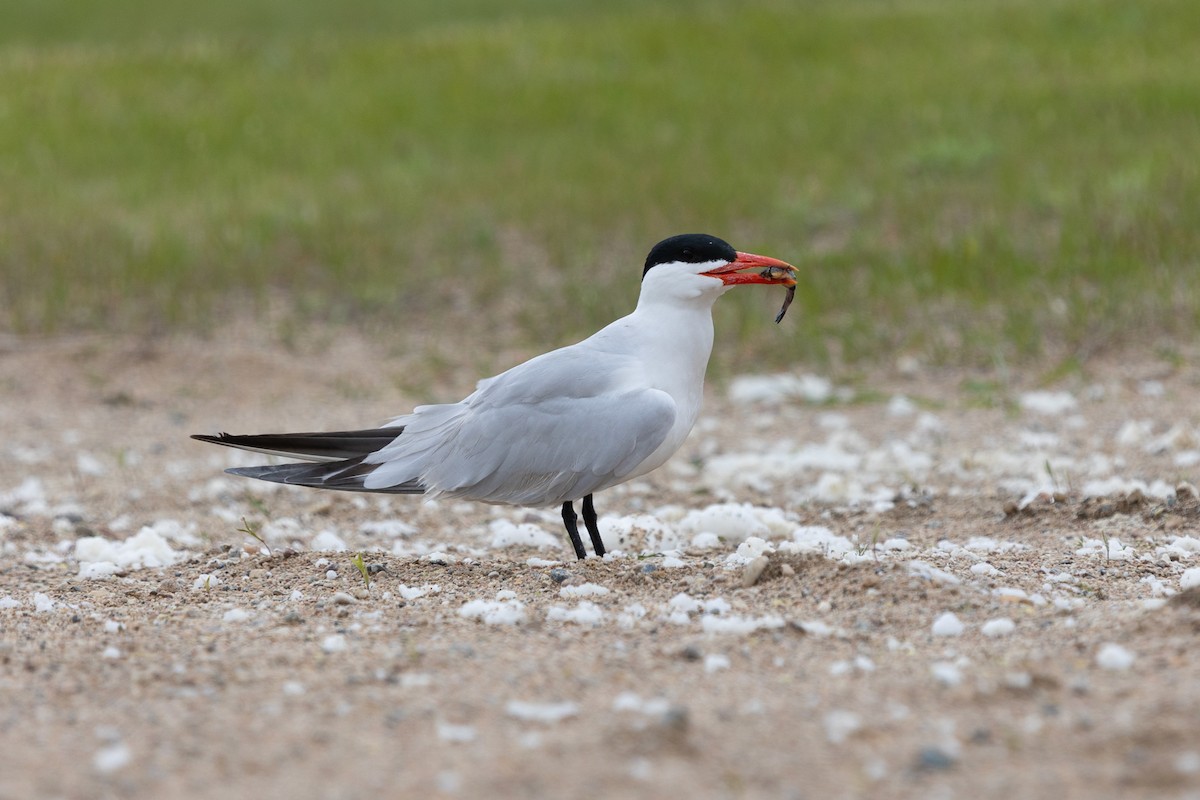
x: 961, y: 180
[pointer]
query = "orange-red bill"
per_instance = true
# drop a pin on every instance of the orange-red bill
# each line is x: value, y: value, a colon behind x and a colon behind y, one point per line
x: 772, y: 271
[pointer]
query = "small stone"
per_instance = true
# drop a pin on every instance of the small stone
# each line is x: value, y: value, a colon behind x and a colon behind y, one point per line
x: 558, y: 575
x: 1114, y: 657
x: 257, y: 574
x: 691, y: 653
x: 947, y: 624
x: 934, y: 758
x: 494, y: 574
x: 754, y: 570
x: 787, y: 571
x: 343, y: 599
x: 648, y: 568
x: 981, y: 736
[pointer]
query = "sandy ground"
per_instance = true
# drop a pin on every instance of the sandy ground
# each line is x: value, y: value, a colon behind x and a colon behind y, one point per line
x: 465, y: 670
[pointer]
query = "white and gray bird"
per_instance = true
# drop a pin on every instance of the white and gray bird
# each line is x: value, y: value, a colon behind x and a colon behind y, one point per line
x: 559, y: 427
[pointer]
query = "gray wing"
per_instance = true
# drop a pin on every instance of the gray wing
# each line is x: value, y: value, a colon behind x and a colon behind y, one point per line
x: 541, y: 434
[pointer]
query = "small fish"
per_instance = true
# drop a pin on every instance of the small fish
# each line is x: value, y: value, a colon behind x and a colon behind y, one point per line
x: 787, y: 301
x: 778, y: 273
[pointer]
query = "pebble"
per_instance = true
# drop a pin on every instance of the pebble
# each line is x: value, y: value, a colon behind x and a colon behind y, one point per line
x: 1115, y: 657
x: 948, y: 624
x: 334, y: 643
x: 934, y: 758
x: 558, y: 575
x: 998, y: 627
x: 754, y: 570
x: 343, y: 599
x: 1190, y: 579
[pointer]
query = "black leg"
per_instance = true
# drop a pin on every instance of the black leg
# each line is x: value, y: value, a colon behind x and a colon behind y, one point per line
x: 589, y: 519
x: 569, y: 519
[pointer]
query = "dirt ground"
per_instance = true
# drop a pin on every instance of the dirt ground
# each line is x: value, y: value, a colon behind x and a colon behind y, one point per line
x: 465, y: 670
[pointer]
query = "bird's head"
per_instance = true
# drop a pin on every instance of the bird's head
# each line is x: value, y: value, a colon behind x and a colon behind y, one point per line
x: 694, y: 265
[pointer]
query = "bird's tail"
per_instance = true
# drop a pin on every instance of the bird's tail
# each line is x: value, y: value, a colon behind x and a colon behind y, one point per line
x: 346, y: 476
x: 329, y: 446
x: 339, y: 455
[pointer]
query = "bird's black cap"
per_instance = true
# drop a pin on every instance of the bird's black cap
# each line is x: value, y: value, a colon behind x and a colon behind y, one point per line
x: 690, y: 248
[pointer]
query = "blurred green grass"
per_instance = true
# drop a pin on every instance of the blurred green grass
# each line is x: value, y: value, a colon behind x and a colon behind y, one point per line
x: 964, y: 181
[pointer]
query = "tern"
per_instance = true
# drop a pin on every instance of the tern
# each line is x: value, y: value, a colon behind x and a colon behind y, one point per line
x: 559, y: 427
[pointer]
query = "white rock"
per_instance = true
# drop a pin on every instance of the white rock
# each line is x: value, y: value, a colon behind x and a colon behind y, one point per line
x: 1049, y: 403
x: 540, y: 712
x: 730, y: 522
x: 585, y: 613
x: 739, y: 625
x: 334, y: 643
x: 1190, y: 578
x: 714, y: 662
x: 236, y: 615
x: 629, y: 616
x: 1115, y: 657
x: 1187, y: 762
x: 717, y: 605
x: 582, y: 590
x: 388, y: 528
x: 112, y: 757
x: 494, y: 612
x: 778, y: 389
x: 1151, y: 388
x: 948, y: 624
x: 840, y: 725
x: 998, y: 627
x: 415, y: 592
x: 205, y: 581
x: 508, y: 534
x: 100, y: 557
x: 816, y: 628
x: 328, y: 541
x: 457, y: 734
x: 931, y: 573
x: 946, y: 673
x: 900, y: 406
x: 641, y: 533
x: 684, y: 602
x: 631, y: 701
x: 1113, y: 549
